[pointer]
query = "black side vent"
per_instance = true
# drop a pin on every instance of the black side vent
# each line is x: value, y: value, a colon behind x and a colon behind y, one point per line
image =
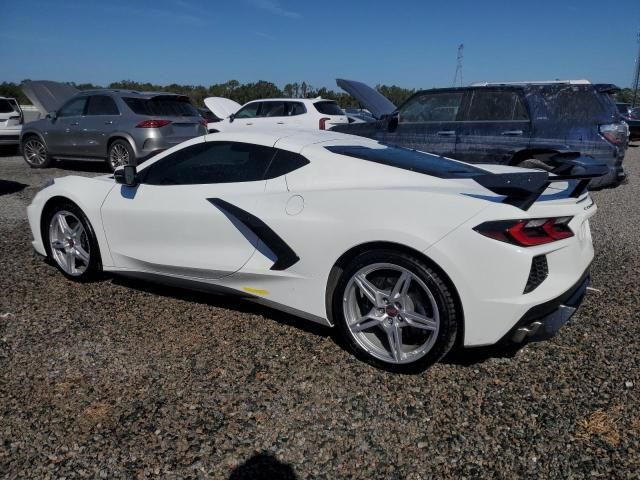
x: 537, y: 275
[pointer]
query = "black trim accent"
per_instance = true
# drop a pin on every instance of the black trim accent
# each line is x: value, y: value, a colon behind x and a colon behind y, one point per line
x: 571, y: 298
x: 285, y: 256
x: 519, y: 189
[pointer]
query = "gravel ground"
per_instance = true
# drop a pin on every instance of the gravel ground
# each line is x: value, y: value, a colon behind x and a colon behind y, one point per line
x: 118, y: 379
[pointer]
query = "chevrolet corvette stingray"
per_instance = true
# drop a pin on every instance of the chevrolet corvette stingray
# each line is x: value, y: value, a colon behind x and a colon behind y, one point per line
x: 405, y: 253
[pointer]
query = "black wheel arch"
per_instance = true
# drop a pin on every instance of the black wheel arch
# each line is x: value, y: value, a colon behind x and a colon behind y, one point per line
x: 526, y: 154
x: 349, y: 255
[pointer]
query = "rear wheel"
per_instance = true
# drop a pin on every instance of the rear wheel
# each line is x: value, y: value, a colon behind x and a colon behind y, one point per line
x: 394, y: 311
x: 120, y: 153
x: 71, y: 243
x: 534, y: 163
x: 35, y: 152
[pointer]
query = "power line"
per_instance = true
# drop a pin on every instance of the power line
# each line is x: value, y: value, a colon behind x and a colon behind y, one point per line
x: 458, y: 74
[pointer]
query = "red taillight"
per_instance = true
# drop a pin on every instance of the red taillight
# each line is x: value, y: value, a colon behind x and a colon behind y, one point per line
x: 153, y: 123
x: 323, y: 123
x: 527, y: 233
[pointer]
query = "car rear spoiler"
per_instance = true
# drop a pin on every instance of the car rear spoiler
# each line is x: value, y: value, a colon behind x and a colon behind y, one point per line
x: 522, y: 189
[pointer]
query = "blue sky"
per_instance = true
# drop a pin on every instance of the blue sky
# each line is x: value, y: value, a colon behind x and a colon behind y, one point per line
x: 404, y: 42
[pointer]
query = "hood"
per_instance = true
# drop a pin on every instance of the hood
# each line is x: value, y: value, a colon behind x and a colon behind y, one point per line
x: 369, y: 98
x: 46, y: 95
x: 221, y: 107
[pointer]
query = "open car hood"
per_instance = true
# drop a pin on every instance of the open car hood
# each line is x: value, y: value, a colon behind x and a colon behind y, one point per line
x: 48, y: 96
x: 369, y: 98
x: 221, y: 107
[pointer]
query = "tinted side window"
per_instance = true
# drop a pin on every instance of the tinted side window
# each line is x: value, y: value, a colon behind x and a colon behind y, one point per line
x: 432, y: 107
x: 273, y: 109
x: 328, y: 108
x: 296, y: 108
x: 5, y: 106
x: 73, y: 108
x: 102, y: 105
x: 211, y: 162
x: 285, y: 162
x: 487, y: 105
x: 248, y: 111
x: 169, y: 106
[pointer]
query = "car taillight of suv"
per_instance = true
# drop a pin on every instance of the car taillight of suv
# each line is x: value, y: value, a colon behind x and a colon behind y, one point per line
x: 615, y: 133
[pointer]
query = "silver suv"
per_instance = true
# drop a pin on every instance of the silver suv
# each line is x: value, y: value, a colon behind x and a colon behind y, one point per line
x: 118, y: 126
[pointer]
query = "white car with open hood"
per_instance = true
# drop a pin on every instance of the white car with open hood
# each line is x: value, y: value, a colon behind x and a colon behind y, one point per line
x: 300, y: 113
x: 406, y: 253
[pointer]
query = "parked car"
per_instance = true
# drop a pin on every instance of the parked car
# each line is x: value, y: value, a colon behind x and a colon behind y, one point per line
x: 404, y: 252
x: 624, y: 109
x: 11, y: 120
x: 531, y: 124
x: 304, y: 113
x: 635, y: 113
x: 634, y: 128
x: 118, y: 126
x: 208, y: 115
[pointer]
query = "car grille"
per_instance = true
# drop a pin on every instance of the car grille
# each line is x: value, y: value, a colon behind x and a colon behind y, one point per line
x: 537, y: 275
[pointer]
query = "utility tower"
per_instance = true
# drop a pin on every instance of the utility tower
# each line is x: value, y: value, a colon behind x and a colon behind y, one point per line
x: 457, y: 78
x: 635, y: 84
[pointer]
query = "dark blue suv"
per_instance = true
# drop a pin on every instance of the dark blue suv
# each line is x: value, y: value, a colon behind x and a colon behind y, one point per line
x: 531, y: 125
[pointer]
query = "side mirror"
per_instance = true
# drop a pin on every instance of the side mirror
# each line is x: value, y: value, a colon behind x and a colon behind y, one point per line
x: 126, y: 175
x: 52, y: 115
x: 232, y: 117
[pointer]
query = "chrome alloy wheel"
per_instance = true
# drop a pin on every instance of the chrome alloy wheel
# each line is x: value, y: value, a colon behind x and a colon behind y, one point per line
x: 391, y: 313
x: 69, y: 243
x: 118, y: 156
x: 35, y: 152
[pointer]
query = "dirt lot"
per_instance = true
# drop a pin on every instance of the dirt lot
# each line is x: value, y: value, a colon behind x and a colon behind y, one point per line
x: 117, y: 379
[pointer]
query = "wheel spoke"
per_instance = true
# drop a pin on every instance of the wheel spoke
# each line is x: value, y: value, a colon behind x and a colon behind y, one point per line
x: 81, y: 254
x: 394, y: 335
x: 63, y: 225
x: 70, y: 260
x: 369, y: 290
x: 420, y: 321
x: 401, y: 287
x: 58, y: 245
x: 367, y: 322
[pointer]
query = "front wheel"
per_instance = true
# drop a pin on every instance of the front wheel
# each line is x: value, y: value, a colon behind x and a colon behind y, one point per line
x: 71, y: 242
x: 394, y: 311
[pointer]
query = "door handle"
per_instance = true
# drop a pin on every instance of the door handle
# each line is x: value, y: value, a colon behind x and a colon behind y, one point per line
x: 248, y: 123
x: 446, y: 133
x: 75, y: 124
x: 280, y: 123
x: 109, y: 122
x: 512, y: 133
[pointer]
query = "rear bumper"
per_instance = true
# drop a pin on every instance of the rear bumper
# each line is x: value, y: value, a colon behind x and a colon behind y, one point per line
x: 543, y: 321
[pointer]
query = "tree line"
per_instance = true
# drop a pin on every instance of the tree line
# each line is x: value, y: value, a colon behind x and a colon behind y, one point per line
x: 245, y: 92
x: 233, y: 89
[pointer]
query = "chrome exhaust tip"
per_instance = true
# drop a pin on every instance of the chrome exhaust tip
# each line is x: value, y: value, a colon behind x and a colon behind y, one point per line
x: 523, y: 332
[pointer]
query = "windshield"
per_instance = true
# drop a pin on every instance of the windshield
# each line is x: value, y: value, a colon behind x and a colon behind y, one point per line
x: 407, y: 159
x: 162, y: 106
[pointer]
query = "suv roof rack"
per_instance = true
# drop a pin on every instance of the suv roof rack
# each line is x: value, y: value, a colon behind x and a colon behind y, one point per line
x: 541, y: 82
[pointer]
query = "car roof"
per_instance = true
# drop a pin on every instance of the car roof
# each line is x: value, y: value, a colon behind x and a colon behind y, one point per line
x: 287, y: 138
x: 129, y: 93
x: 303, y: 100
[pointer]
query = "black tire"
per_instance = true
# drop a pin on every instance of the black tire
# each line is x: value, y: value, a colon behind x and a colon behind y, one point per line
x: 442, y: 294
x: 34, y: 152
x: 88, y: 242
x: 117, y: 148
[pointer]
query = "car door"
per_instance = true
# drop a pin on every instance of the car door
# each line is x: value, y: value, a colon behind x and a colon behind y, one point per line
x: 496, y: 125
x: 429, y: 121
x: 172, y: 223
x: 63, y: 134
x: 247, y: 116
x: 101, y: 120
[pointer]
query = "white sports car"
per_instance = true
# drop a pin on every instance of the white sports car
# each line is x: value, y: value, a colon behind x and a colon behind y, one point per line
x: 404, y: 252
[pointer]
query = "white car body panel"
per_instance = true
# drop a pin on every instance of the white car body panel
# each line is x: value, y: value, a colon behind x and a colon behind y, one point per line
x: 224, y: 108
x: 331, y: 205
x: 10, y: 122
